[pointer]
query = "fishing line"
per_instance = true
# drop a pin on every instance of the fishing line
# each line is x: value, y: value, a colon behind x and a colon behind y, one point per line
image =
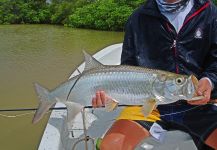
x: 30, y: 109
x: 19, y: 115
x: 25, y: 109
x: 80, y: 75
x: 64, y: 108
x: 78, y: 71
x: 179, y: 112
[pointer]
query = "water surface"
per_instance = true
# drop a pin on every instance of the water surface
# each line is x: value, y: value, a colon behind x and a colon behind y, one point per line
x: 38, y: 53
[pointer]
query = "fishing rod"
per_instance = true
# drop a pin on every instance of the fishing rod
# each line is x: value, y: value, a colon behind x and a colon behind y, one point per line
x: 64, y: 108
x: 52, y: 108
x: 30, y: 109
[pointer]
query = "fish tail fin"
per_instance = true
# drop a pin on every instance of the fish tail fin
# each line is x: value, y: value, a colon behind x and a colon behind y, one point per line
x: 45, y: 102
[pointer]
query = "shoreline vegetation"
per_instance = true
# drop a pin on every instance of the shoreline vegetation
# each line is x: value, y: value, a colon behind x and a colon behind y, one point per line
x: 110, y: 15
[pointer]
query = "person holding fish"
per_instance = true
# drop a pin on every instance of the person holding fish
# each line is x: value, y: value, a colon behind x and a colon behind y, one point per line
x: 179, y: 36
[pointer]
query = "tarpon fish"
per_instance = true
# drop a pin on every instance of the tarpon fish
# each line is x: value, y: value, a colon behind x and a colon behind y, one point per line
x: 126, y: 85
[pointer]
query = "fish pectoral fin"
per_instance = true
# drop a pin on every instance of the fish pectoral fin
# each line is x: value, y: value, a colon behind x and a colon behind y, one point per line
x: 111, y: 104
x: 148, y: 107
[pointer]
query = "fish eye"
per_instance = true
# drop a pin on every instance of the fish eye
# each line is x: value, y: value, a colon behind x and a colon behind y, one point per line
x: 179, y: 81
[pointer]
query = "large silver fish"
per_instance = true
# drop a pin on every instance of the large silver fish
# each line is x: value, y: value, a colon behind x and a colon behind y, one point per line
x: 127, y: 85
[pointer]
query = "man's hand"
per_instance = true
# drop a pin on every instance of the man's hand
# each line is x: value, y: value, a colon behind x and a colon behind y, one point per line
x: 204, y: 89
x: 99, y: 99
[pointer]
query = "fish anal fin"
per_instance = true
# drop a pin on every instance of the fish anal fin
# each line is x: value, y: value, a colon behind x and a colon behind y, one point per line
x: 111, y: 104
x: 148, y: 107
x: 72, y: 110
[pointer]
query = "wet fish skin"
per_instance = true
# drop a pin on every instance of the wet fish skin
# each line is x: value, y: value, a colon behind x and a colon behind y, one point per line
x: 129, y: 85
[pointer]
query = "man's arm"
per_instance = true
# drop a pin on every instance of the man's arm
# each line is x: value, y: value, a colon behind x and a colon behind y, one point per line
x: 210, y: 71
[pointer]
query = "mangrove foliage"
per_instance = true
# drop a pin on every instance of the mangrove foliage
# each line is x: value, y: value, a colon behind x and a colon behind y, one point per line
x: 92, y: 14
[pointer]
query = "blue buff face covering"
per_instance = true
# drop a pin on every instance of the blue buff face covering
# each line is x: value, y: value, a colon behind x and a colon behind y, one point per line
x: 164, y: 6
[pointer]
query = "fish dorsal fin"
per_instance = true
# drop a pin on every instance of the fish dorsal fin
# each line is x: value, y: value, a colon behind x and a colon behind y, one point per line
x: 91, y: 62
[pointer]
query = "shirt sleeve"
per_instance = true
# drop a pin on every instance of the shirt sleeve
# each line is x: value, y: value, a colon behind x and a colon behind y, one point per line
x: 211, y: 61
x: 128, y: 56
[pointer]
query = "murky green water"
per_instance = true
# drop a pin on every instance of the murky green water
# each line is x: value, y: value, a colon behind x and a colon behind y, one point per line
x: 38, y: 53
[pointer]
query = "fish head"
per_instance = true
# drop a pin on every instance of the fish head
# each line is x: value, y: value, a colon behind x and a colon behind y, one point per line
x: 172, y: 87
